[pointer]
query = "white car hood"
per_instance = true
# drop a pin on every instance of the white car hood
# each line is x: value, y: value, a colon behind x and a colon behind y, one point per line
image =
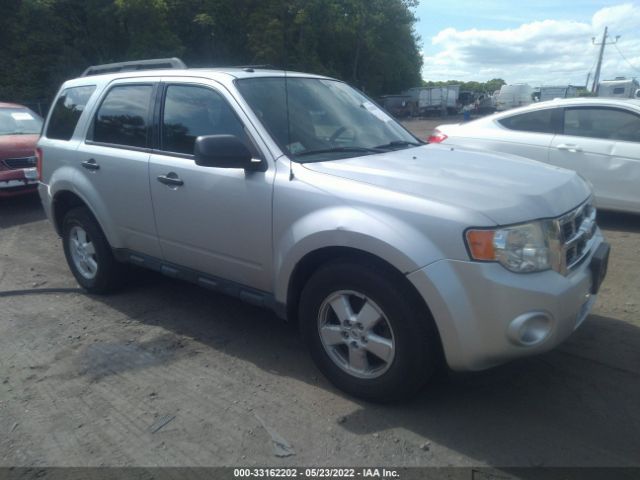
x: 506, y: 188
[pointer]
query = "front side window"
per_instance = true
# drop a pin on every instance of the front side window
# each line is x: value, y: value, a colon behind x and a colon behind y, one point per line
x: 317, y: 119
x: 67, y: 110
x: 19, y: 121
x: 122, y: 118
x: 191, y: 111
x: 606, y: 123
x: 539, y: 121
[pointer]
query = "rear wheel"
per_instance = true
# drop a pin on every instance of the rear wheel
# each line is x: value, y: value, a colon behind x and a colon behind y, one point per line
x: 366, y: 333
x: 89, y: 254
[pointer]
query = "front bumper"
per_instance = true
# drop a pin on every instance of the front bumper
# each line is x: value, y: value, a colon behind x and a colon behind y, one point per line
x: 477, y: 305
x: 19, y: 181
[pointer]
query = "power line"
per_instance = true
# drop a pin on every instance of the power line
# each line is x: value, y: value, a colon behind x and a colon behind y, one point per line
x: 626, y: 60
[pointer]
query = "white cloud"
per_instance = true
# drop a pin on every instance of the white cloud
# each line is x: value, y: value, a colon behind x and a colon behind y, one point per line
x: 540, y: 52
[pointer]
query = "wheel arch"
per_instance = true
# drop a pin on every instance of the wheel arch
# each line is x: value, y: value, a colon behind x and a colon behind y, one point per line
x: 63, y: 201
x: 66, y: 199
x: 313, y: 260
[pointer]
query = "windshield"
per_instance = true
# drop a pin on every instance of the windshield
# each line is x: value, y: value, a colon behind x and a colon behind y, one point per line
x: 19, y: 121
x: 327, y: 119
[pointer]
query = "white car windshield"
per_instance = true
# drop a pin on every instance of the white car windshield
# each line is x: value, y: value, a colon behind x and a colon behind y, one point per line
x: 326, y: 119
x: 19, y: 121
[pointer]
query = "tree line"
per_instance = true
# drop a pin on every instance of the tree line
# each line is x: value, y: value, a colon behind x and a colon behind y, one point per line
x: 477, y: 87
x: 371, y: 44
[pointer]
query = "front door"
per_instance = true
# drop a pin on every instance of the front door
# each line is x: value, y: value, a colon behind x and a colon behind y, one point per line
x: 603, y: 145
x: 213, y: 220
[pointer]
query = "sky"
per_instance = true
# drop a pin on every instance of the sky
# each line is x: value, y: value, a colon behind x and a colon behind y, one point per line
x: 540, y: 42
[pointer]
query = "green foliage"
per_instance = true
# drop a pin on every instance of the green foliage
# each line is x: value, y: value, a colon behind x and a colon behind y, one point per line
x: 583, y: 92
x: 480, y: 87
x: 369, y: 43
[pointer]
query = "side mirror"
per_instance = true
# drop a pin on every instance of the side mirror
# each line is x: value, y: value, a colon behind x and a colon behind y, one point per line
x: 224, y: 151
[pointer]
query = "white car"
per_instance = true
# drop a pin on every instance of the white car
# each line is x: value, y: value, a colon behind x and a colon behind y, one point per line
x: 597, y: 137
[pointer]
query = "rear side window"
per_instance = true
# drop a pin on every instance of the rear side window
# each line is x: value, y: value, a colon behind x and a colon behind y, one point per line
x: 191, y: 111
x: 67, y: 110
x: 606, y: 123
x: 540, y: 121
x: 123, y: 116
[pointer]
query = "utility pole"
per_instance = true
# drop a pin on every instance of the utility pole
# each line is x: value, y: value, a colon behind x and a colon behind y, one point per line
x: 603, y: 43
x: 586, y: 84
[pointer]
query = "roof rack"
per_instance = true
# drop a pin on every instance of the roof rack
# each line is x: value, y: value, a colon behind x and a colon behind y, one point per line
x: 152, y: 64
x: 246, y: 68
x: 251, y: 67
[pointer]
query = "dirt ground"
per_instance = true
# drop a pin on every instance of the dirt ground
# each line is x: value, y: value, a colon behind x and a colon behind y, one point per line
x: 166, y: 373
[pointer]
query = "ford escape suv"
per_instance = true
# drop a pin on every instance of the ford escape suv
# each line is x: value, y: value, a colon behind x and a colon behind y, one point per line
x: 297, y: 193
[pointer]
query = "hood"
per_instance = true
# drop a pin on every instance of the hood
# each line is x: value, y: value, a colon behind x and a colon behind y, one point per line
x: 12, y: 146
x: 506, y: 188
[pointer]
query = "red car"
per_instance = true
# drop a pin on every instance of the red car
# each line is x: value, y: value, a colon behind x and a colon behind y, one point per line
x: 19, y: 132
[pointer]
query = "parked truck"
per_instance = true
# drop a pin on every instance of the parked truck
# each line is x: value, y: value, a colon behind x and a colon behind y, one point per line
x: 620, y: 87
x: 399, y: 106
x: 515, y: 95
x: 481, y: 103
x: 549, y: 92
x: 438, y: 100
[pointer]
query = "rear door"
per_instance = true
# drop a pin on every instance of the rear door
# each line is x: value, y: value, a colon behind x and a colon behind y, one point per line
x: 526, y: 134
x: 113, y: 164
x: 603, y: 145
x: 212, y: 220
x: 59, y: 140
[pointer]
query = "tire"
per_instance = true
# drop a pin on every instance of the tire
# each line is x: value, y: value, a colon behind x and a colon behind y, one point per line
x: 404, y: 337
x: 92, y: 264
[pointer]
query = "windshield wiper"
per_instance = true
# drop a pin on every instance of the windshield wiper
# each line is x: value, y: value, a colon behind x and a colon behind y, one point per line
x: 399, y: 143
x: 339, y: 150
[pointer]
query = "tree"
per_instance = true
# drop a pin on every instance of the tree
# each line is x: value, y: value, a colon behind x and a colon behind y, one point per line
x: 494, y: 84
x: 369, y: 43
x: 478, y: 87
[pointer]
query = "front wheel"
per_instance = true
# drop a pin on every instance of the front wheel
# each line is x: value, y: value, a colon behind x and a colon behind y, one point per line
x: 366, y: 333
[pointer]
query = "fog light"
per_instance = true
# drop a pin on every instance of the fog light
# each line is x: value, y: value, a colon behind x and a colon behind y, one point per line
x: 530, y: 329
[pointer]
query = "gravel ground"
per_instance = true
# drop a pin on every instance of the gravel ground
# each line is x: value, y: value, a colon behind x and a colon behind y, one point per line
x: 166, y: 373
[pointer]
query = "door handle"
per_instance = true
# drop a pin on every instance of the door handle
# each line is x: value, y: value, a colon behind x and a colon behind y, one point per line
x: 171, y: 179
x: 569, y: 147
x: 91, y: 164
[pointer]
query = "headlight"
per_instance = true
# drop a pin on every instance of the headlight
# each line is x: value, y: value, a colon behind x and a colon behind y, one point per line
x: 520, y: 248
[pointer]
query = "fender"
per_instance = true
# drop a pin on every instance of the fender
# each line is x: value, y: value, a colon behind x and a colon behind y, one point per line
x: 376, y: 233
x: 61, y: 180
x: 66, y: 179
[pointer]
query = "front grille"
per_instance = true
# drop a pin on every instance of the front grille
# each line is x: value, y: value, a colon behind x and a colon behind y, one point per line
x: 577, y: 229
x: 22, y: 162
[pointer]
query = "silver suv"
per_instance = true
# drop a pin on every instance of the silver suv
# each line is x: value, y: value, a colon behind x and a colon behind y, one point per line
x: 298, y: 193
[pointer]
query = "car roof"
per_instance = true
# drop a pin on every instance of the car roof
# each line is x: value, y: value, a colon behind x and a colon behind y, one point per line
x: 564, y: 102
x: 578, y: 101
x: 210, y: 73
x: 11, y: 105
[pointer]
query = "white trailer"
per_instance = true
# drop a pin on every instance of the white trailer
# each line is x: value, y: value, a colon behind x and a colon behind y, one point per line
x: 550, y: 92
x: 435, y: 99
x: 619, y: 88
